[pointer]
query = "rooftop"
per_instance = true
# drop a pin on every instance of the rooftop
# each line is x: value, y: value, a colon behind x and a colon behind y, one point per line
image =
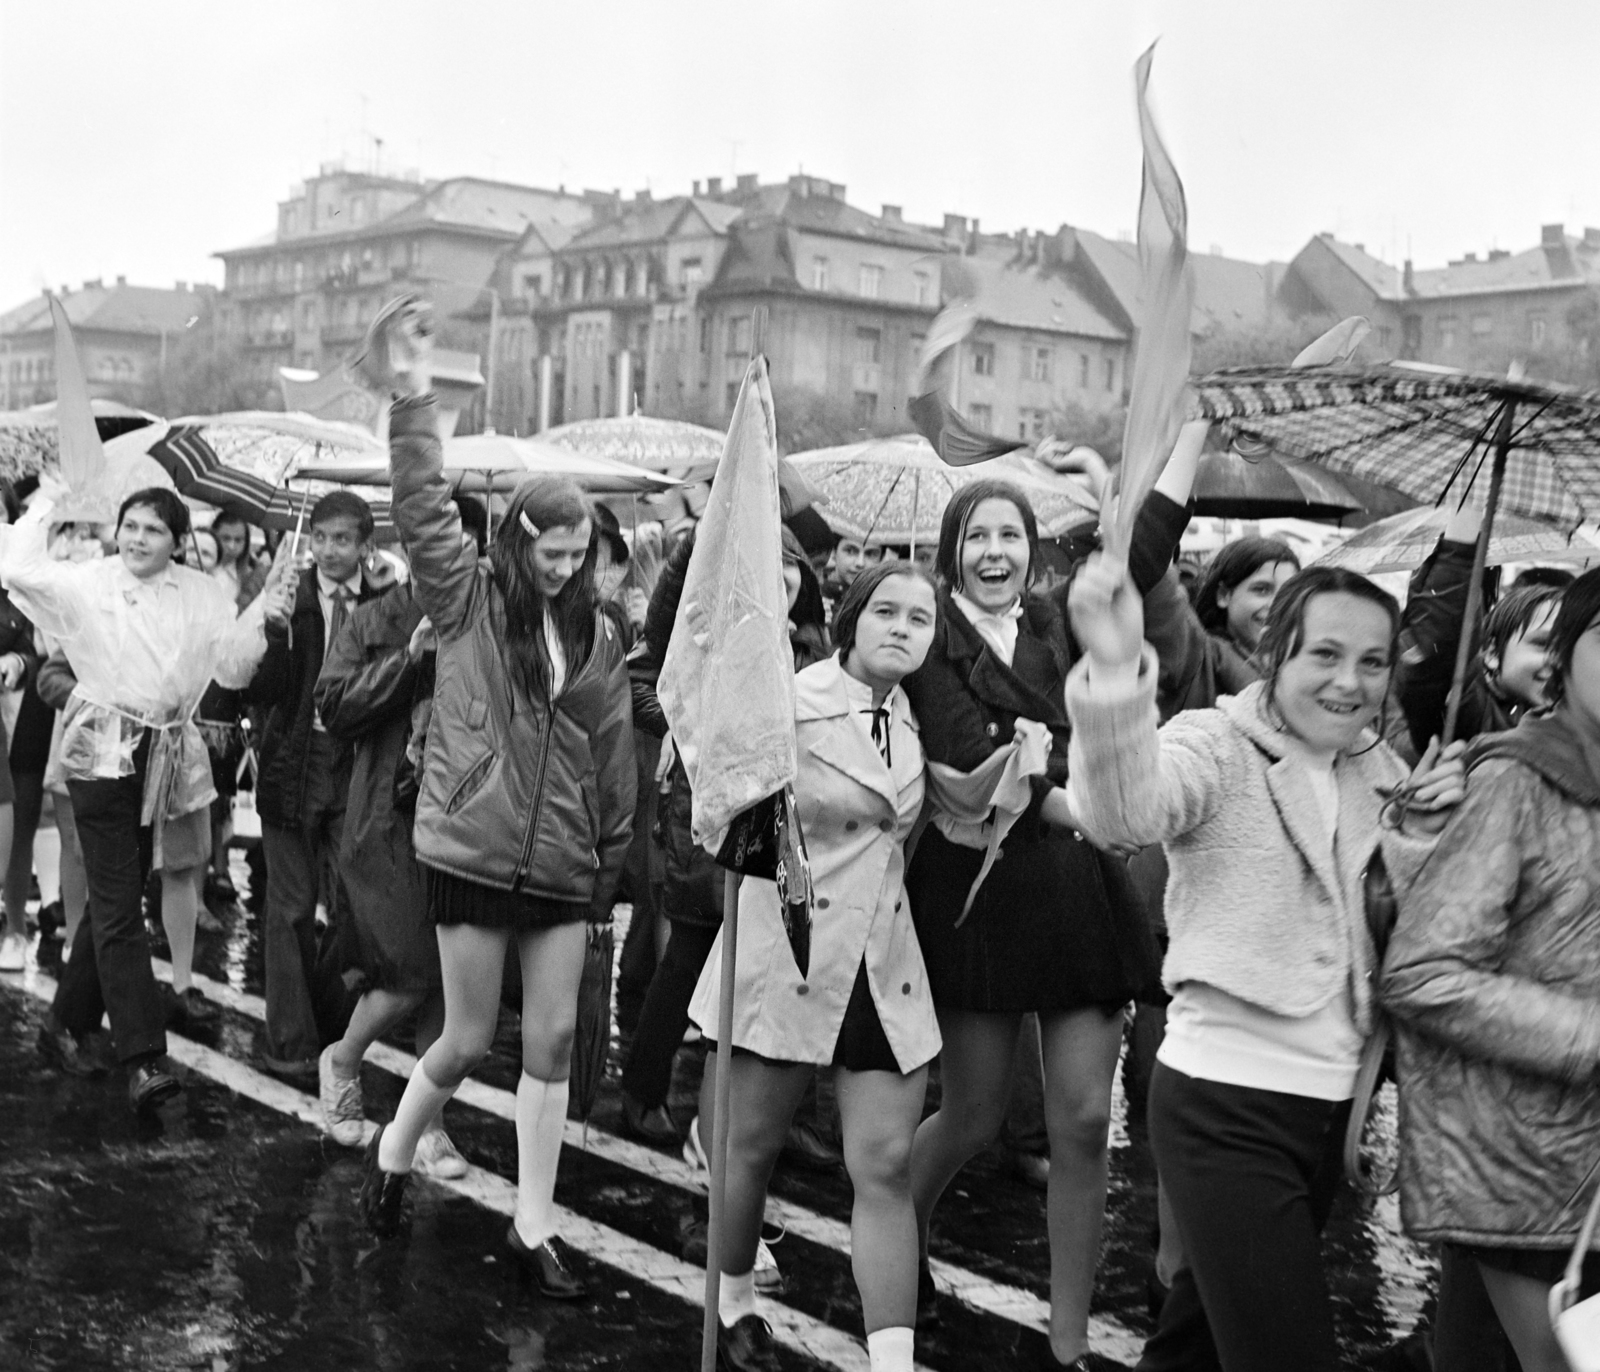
x: 1031, y: 295
x: 1228, y: 292
x: 1560, y: 259
x: 117, y: 308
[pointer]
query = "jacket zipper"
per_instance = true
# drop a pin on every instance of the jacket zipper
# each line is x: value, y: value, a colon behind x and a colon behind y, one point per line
x: 538, y: 803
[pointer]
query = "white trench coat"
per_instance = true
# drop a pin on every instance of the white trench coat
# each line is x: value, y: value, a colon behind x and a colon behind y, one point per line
x: 856, y: 816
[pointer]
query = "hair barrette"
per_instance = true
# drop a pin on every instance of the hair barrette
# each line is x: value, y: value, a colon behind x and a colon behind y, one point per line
x: 528, y: 524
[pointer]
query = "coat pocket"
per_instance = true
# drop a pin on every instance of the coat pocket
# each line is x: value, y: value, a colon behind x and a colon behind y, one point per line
x: 470, y: 784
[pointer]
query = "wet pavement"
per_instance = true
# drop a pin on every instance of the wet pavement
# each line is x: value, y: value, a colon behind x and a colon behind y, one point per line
x: 224, y: 1234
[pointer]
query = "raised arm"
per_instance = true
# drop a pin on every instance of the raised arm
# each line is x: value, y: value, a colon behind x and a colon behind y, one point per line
x: 444, y: 569
x: 50, y: 593
x: 1430, y: 632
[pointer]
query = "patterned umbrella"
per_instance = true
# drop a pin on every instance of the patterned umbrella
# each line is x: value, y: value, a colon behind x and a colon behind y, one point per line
x: 1403, y: 541
x: 687, y: 451
x: 1425, y: 432
x: 894, y: 490
x: 29, y: 438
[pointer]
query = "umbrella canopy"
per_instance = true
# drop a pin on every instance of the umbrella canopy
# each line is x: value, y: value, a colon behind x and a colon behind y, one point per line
x: 1425, y: 432
x: 111, y: 417
x: 480, y: 462
x: 894, y: 490
x: 687, y: 451
x: 30, y: 439
x: 1403, y: 541
x: 1232, y: 487
x: 591, y: 1036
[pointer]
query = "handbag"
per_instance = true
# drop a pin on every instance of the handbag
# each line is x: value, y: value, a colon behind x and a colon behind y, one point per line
x: 1577, y: 1323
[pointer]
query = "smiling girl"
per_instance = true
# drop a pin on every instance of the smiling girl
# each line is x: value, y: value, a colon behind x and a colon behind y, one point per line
x: 1268, y: 807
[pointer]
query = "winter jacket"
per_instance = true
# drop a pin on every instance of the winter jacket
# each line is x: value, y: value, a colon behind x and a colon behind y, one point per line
x: 1430, y: 634
x: 1493, y: 978
x: 284, y: 687
x: 1198, y: 667
x: 517, y: 793
x: 856, y: 813
x: 1260, y: 903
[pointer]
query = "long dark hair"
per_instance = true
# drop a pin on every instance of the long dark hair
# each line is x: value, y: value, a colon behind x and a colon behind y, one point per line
x: 1286, y: 620
x: 1234, y: 564
x: 958, y: 514
x: 545, y: 502
x: 229, y: 515
x: 1580, y: 603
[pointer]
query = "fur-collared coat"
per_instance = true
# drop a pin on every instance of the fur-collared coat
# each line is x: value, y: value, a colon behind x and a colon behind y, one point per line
x: 1261, y: 903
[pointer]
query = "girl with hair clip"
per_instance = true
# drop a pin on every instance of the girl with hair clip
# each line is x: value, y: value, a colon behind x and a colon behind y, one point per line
x: 526, y: 796
x: 1269, y: 809
x: 862, y: 1005
x: 1056, y: 927
x: 1493, y: 977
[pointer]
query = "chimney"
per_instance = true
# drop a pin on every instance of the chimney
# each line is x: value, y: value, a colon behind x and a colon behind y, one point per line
x: 1360, y: 247
x: 176, y: 285
x: 1591, y: 238
x: 122, y: 281
x: 713, y: 186
x: 836, y: 189
x: 748, y: 181
x: 975, y: 240
x: 696, y: 191
x: 891, y: 213
x: 1553, y: 236
x: 1407, y: 281
x: 955, y: 226
x: 642, y: 198
x: 92, y: 285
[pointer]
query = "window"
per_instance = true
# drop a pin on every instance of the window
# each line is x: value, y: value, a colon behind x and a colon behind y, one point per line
x: 1040, y: 370
x: 870, y: 282
x: 1111, y: 373
x: 1083, y: 371
x: 1482, y: 325
x: 981, y: 415
x: 1536, y: 330
x: 705, y: 333
x: 1030, y: 424
x: 983, y: 359
x: 308, y: 315
x: 921, y: 287
x: 690, y: 273
x: 739, y: 336
x: 733, y: 394
x: 533, y: 284
x: 819, y: 273
x: 869, y: 347
x: 1447, y: 331
x: 866, y: 407
x: 1411, y: 335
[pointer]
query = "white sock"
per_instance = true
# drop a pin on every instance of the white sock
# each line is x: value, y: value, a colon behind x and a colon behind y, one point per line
x: 541, y: 1120
x: 891, y: 1349
x: 421, y: 1103
x: 736, y: 1297
x: 47, y: 864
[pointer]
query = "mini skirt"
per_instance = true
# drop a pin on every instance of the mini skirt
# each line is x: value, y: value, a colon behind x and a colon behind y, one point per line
x: 862, y: 1046
x: 456, y: 900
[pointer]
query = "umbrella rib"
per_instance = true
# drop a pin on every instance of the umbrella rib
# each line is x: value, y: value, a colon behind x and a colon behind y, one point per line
x: 887, y: 496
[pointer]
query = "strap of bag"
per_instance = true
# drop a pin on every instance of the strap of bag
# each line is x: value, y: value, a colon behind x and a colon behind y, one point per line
x: 1565, y: 1292
x: 1367, y: 1078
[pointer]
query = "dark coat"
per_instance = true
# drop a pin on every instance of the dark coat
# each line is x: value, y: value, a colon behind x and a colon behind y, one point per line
x: 284, y: 687
x: 366, y: 693
x: 518, y: 793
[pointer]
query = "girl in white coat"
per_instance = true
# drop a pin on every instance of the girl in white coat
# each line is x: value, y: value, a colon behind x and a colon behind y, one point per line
x: 863, y: 1005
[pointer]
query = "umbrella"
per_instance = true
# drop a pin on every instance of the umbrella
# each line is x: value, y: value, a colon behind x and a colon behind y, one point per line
x: 498, y: 462
x: 591, y: 1039
x: 894, y: 490
x: 111, y: 417
x: 687, y: 451
x: 1403, y: 541
x: 30, y: 439
x: 1233, y: 487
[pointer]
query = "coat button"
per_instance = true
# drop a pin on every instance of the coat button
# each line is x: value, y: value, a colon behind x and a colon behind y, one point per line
x: 905, y: 988
x: 822, y: 902
x: 802, y: 989
x: 992, y: 729
x: 897, y: 906
x: 850, y: 826
x: 885, y: 825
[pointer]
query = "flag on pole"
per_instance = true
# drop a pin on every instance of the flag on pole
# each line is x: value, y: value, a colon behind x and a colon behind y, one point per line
x: 727, y: 681
x: 1156, y: 401
x: 83, y: 458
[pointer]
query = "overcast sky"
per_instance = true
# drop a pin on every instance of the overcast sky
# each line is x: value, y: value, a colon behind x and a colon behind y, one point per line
x: 137, y: 137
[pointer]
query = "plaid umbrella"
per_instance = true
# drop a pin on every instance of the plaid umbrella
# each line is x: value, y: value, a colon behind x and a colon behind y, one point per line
x: 1422, y: 431
x: 1403, y: 541
x: 894, y: 490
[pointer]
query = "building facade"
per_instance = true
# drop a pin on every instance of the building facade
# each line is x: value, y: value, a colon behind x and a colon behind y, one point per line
x: 122, y: 333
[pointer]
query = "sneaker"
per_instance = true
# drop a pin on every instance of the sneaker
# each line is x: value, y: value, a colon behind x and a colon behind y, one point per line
x: 437, y: 1156
x: 13, y: 953
x: 343, y: 1110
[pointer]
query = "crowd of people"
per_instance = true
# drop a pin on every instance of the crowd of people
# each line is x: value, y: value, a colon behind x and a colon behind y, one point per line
x: 457, y: 771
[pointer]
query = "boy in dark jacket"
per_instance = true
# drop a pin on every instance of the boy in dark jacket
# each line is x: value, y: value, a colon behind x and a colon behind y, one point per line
x: 301, y: 789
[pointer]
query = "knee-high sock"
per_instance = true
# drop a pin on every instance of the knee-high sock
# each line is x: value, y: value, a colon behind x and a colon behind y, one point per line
x: 541, y: 1119
x: 419, y: 1106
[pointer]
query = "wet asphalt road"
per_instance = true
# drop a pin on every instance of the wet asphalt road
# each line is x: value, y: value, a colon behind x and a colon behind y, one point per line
x: 224, y: 1235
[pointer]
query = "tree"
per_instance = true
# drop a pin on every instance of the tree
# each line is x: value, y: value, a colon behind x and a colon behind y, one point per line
x: 208, y: 371
x: 1275, y: 342
x: 810, y: 419
x: 1097, y: 429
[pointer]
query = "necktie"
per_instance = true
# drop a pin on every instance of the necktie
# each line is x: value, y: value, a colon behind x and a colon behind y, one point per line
x: 880, y: 732
x: 341, y: 612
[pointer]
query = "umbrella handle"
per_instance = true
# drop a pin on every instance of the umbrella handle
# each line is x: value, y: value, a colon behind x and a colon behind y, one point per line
x: 722, y: 1094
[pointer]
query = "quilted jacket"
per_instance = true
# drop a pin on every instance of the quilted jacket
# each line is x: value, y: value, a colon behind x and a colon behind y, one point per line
x: 1493, y: 977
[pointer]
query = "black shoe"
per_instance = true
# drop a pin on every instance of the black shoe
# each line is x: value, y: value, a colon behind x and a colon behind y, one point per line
x: 220, y: 890
x: 66, y: 1053
x: 52, y: 919
x: 382, y: 1195
x: 747, y: 1346
x: 149, y: 1085
x: 807, y: 1149
x: 189, y: 1012
x: 548, y: 1267
x: 651, y: 1125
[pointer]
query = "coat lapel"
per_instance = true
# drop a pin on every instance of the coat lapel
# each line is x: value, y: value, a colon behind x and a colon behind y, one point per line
x: 1301, y: 813
x: 995, y: 684
x: 838, y: 742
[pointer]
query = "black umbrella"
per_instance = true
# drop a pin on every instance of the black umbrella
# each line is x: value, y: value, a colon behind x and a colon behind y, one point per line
x: 591, y: 1039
